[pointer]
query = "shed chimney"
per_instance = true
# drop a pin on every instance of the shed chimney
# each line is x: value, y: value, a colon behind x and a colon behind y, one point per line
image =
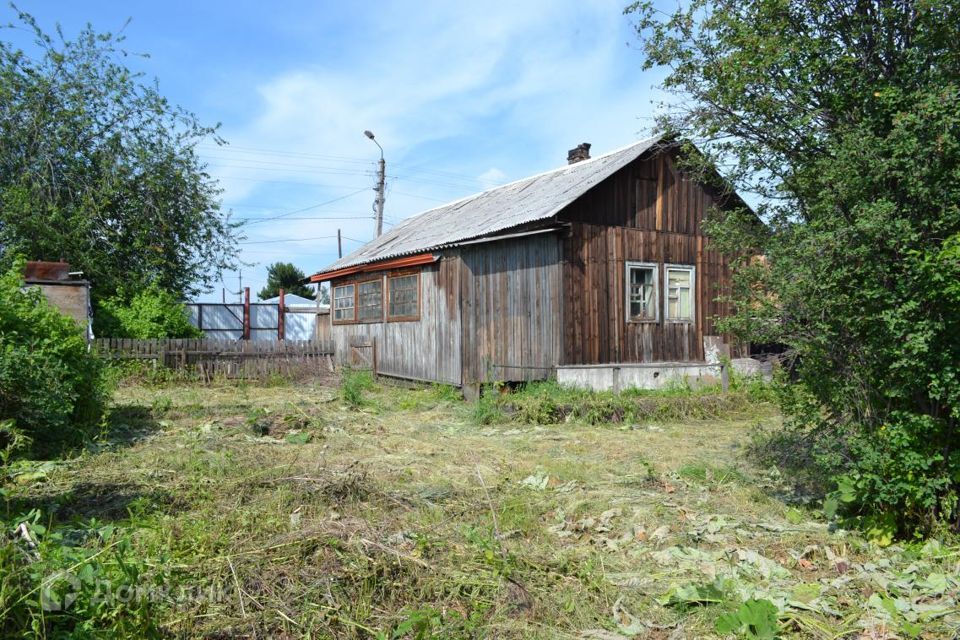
x: 582, y: 152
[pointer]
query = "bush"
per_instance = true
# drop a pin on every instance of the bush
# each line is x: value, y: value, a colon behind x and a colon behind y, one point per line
x: 151, y: 313
x: 51, y: 386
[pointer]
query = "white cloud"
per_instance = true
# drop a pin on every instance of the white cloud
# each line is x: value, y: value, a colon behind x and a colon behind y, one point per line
x: 462, y: 96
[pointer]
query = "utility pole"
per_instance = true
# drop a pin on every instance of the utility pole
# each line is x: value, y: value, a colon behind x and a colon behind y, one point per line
x: 381, y: 184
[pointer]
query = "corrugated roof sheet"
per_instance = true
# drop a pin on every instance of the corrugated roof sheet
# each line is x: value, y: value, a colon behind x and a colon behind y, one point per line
x: 528, y: 200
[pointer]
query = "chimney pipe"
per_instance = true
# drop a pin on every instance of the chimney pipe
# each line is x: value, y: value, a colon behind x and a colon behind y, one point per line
x: 578, y: 154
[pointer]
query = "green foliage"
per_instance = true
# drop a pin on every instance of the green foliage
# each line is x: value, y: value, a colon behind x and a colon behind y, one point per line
x: 550, y: 403
x: 286, y: 276
x: 755, y: 620
x: 845, y: 117
x: 80, y: 582
x: 355, y: 382
x: 98, y: 168
x: 52, y: 387
x: 486, y: 410
x: 151, y: 313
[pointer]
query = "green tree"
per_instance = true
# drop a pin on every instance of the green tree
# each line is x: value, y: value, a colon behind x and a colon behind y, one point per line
x: 99, y: 169
x: 286, y: 276
x: 844, y: 117
x: 151, y: 313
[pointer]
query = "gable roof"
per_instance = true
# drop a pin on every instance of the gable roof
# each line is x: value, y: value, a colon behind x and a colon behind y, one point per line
x: 528, y: 200
x: 291, y: 300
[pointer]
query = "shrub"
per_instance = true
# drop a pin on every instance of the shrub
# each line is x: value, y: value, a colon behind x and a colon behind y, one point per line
x: 151, y: 313
x: 51, y: 386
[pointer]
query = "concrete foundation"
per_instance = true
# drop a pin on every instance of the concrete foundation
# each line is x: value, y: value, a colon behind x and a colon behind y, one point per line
x: 658, y: 375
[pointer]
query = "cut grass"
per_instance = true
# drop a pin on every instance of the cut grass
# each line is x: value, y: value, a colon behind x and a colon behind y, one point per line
x: 399, y: 516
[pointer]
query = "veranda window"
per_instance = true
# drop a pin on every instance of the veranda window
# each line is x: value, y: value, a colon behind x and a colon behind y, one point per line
x: 403, y: 297
x: 343, y: 303
x: 370, y: 301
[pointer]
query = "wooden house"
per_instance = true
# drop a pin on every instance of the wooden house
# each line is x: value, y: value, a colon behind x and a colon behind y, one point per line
x: 599, y: 263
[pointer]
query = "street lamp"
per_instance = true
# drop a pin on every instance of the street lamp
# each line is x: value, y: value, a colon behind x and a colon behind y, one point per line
x: 381, y: 183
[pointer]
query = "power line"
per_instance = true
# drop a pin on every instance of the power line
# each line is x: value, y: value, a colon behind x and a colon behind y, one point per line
x: 417, y: 195
x: 333, y: 171
x: 279, y: 240
x: 279, y: 152
x: 314, y: 206
x: 406, y: 166
x: 308, y: 184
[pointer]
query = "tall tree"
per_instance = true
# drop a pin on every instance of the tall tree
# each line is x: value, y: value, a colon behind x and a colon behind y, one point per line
x: 99, y: 169
x: 844, y: 115
x: 286, y: 276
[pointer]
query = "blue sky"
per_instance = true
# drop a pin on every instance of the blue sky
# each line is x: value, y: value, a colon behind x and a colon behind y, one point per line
x: 462, y: 96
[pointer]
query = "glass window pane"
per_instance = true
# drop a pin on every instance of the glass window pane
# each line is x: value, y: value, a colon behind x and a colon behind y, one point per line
x: 679, y: 294
x: 404, y: 292
x: 343, y: 302
x: 370, y: 300
x: 678, y: 278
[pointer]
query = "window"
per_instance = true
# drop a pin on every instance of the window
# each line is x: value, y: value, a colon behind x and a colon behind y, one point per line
x: 679, y: 285
x: 343, y: 303
x: 641, y: 292
x: 404, y: 297
x: 370, y: 301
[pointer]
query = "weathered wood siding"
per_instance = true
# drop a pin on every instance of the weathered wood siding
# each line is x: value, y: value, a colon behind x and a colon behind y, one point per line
x: 511, y: 314
x: 647, y: 212
x: 649, y: 193
x: 424, y: 349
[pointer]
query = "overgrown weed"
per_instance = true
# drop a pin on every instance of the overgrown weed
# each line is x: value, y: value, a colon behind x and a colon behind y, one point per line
x: 545, y: 403
x: 354, y: 383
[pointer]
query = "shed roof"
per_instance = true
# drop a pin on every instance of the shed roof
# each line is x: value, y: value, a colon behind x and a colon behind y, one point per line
x: 528, y: 200
x: 291, y: 300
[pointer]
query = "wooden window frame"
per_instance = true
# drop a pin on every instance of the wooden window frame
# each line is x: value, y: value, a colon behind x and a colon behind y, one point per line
x: 413, y: 318
x: 693, y: 293
x: 383, y: 311
x: 656, y: 291
x: 333, y: 303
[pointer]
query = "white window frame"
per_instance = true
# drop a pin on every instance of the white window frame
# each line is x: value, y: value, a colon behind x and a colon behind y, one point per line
x: 693, y: 293
x: 656, y: 290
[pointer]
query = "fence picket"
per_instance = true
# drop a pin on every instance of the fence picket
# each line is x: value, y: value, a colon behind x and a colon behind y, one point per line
x: 211, y: 358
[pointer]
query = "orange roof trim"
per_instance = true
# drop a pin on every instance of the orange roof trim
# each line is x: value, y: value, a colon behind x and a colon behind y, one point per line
x: 397, y: 263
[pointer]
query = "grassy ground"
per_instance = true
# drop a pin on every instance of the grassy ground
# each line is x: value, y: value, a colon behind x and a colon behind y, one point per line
x: 314, y: 511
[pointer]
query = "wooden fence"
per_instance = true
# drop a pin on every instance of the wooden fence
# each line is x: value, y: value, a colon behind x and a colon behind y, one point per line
x: 225, y: 358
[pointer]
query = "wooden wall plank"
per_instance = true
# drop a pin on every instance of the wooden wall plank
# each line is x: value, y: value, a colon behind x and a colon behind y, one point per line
x: 511, y: 292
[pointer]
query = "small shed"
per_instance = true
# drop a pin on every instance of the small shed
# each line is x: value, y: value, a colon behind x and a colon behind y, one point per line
x: 64, y: 289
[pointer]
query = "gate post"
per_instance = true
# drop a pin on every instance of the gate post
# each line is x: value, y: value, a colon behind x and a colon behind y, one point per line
x: 246, y: 313
x: 280, y: 309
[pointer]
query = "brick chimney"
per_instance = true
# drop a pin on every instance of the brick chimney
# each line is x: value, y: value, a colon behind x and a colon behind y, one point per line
x: 582, y: 152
